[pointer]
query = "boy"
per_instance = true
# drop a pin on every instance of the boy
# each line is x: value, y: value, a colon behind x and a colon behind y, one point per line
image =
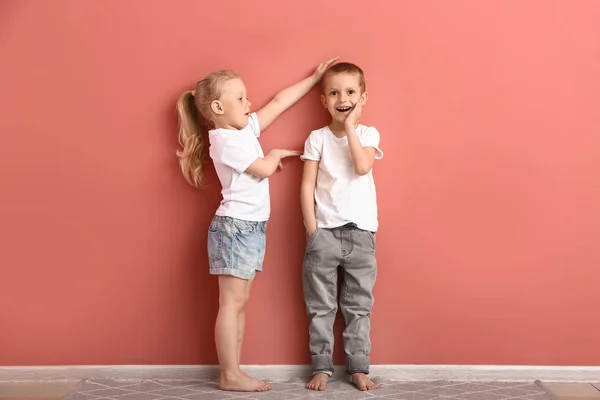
x: 340, y: 215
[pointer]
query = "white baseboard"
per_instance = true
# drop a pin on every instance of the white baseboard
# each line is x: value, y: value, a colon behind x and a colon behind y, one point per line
x: 470, y: 373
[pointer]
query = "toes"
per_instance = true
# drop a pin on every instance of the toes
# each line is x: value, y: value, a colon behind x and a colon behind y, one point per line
x: 316, y: 386
x: 263, y: 387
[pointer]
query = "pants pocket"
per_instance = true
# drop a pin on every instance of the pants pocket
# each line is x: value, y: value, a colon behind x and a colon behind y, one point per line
x: 371, y: 237
x: 311, y: 239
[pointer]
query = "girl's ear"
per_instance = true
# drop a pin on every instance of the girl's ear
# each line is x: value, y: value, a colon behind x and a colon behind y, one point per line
x: 216, y: 107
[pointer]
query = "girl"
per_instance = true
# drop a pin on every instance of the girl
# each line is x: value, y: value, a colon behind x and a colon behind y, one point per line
x: 236, y: 236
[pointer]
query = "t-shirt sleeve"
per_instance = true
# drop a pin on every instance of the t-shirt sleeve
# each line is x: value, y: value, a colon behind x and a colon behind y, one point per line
x: 236, y: 155
x: 371, y: 139
x: 312, y: 148
x: 253, y: 124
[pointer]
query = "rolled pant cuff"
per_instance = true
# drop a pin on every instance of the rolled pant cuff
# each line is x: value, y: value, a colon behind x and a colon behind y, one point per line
x: 357, y: 363
x: 322, y: 363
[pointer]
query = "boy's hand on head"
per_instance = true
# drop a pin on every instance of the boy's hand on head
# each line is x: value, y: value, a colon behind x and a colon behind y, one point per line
x: 318, y: 74
x: 354, y: 115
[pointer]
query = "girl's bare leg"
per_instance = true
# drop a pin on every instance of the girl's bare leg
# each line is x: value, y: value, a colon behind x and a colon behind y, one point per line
x: 232, y: 303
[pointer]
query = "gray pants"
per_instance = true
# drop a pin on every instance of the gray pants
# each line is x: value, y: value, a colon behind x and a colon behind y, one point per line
x: 353, y: 250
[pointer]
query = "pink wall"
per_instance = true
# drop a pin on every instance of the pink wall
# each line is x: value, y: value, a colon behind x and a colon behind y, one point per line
x: 489, y: 192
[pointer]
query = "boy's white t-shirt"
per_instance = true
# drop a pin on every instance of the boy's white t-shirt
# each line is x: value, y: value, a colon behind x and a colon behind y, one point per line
x: 341, y: 195
x: 245, y: 196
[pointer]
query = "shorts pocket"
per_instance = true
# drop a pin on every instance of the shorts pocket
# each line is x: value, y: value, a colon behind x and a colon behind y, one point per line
x: 245, y: 228
x: 215, y: 242
x: 262, y: 227
x: 214, y: 225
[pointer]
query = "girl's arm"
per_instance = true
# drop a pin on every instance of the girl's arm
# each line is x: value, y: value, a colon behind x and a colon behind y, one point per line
x: 265, y: 167
x: 307, y: 195
x: 289, y: 96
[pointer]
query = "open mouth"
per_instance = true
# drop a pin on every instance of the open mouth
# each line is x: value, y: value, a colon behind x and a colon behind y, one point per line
x: 343, y: 109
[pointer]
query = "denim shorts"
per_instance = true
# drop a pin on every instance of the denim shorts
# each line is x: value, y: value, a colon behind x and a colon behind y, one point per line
x: 236, y: 247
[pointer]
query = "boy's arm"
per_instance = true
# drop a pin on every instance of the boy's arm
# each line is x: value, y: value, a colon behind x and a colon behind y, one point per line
x: 307, y: 195
x: 289, y: 96
x: 363, y: 158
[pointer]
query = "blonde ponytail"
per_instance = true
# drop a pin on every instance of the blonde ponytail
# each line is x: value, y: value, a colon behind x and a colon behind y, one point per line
x: 193, y: 106
x: 190, y: 138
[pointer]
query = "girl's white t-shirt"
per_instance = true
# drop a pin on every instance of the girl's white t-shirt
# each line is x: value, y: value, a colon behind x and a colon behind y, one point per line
x: 245, y: 196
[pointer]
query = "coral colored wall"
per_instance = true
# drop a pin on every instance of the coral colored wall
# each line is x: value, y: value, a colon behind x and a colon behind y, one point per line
x: 489, y: 192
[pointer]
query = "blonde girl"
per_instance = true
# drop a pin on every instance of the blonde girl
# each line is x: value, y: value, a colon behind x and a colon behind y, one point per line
x: 236, y: 236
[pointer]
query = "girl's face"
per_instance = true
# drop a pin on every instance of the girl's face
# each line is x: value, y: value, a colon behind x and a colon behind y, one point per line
x: 232, y: 108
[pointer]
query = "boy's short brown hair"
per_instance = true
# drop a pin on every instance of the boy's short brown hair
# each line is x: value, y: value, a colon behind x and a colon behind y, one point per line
x: 345, y: 67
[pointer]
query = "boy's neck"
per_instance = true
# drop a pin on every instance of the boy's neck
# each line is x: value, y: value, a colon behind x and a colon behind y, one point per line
x: 339, y: 128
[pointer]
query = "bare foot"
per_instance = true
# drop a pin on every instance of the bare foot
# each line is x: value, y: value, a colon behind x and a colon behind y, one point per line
x: 241, y: 382
x: 363, y: 382
x: 318, y: 382
x: 262, y: 382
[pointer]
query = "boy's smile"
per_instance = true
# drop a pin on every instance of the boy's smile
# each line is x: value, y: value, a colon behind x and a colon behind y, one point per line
x: 341, y: 93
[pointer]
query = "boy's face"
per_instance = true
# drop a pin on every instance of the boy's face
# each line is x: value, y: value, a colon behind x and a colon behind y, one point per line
x: 340, y: 93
